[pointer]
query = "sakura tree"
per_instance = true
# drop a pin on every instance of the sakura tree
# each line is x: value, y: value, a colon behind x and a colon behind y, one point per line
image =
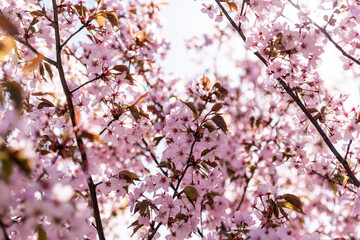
x: 95, y: 134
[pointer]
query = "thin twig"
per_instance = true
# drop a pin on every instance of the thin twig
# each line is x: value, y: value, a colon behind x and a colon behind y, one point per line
x: 154, y: 231
x: 326, y: 139
x: 72, y: 35
x: 178, y: 184
x: 90, y: 81
x: 25, y: 43
x: 108, y: 125
x: 186, y: 168
x: 331, y: 180
x: 245, y: 189
x: 327, y: 35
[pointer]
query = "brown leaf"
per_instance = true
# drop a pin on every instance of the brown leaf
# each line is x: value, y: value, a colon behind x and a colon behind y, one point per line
x: 48, y: 69
x: 37, y: 13
x: 144, y: 114
x: 192, y: 107
x: 130, y: 78
x: 294, y: 200
x: 205, y: 81
x: 216, y: 107
x: 16, y: 93
x: 282, y: 211
x: 8, y: 26
x: 312, y: 110
x: 31, y: 65
x: 220, y: 122
x: 93, y: 137
x: 113, y: 19
x: 100, y: 18
x: 41, y: 233
x: 191, y: 192
x: 142, y: 97
x: 128, y: 176
x: 135, y: 111
x: 45, y: 103
x: 121, y: 68
x: 233, y: 6
x: 209, y: 126
x: 206, y: 151
x: 6, y: 45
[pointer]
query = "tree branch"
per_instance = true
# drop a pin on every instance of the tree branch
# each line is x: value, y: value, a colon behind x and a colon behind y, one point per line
x: 347, y: 150
x: 330, y: 180
x: 245, y: 189
x: 73, y: 34
x: 178, y: 185
x: 327, y: 35
x: 314, y: 122
x: 79, y: 141
x: 90, y: 81
x: 25, y: 43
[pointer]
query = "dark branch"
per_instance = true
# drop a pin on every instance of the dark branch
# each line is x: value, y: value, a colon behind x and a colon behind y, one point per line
x: 154, y: 231
x: 79, y: 141
x: 347, y: 150
x: 72, y: 35
x: 90, y: 81
x: 25, y: 43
